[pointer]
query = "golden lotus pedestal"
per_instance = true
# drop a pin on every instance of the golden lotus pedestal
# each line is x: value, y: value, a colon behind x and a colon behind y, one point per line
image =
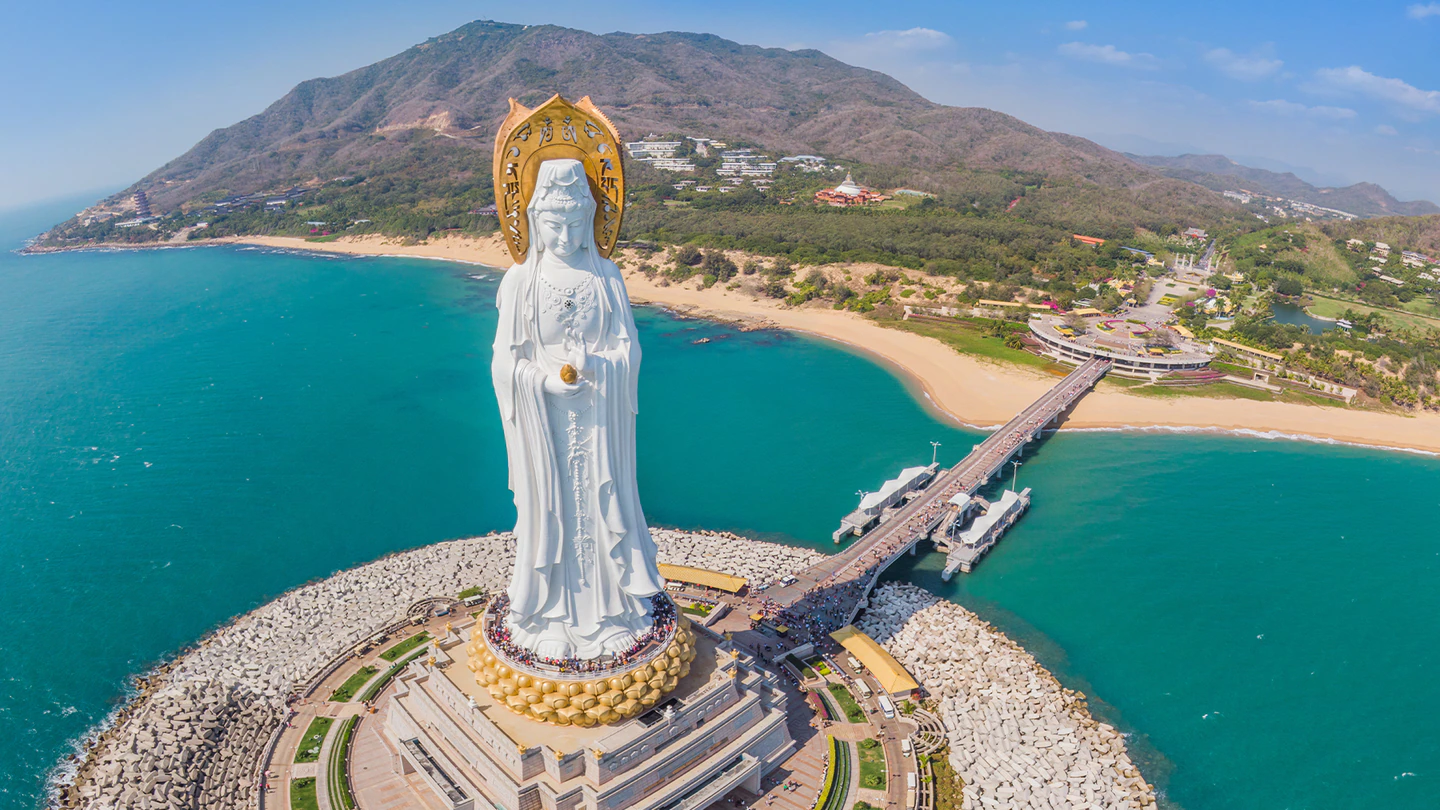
x: 583, y: 699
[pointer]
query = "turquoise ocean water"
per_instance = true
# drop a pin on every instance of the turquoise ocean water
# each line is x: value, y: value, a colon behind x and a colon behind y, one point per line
x: 184, y: 434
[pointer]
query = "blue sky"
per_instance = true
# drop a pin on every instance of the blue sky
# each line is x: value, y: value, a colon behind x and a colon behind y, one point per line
x: 94, y: 94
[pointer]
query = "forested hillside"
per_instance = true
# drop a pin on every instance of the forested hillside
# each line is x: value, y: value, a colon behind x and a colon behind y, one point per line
x: 405, y: 143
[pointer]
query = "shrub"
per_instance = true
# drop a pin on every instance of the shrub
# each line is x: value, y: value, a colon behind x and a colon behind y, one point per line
x: 716, y: 264
x: 688, y: 255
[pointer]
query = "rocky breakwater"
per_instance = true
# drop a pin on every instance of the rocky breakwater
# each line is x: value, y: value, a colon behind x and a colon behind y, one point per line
x: 195, y: 735
x: 1018, y: 738
x: 758, y: 562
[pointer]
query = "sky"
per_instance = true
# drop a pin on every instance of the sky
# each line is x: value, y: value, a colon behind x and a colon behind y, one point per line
x: 94, y: 95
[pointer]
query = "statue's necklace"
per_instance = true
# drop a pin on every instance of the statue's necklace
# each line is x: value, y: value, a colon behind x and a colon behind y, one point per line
x: 566, y: 303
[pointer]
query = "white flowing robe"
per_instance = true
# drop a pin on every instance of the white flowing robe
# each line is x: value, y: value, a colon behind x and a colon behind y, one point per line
x: 589, y: 599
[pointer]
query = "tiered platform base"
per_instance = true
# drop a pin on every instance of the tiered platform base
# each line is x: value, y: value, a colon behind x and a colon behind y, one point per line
x: 587, y: 699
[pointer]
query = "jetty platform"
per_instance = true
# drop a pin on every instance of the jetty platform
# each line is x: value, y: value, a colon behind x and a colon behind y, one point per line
x: 833, y: 591
x: 964, y: 546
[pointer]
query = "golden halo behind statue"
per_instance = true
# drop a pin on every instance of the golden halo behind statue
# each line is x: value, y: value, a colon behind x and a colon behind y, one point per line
x: 557, y: 129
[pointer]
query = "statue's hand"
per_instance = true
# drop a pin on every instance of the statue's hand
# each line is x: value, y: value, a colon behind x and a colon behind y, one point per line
x: 557, y: 387
x: 579, y: 357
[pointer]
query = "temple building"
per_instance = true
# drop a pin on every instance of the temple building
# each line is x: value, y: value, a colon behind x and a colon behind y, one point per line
x: 848, y: 193
x: 722, y: 728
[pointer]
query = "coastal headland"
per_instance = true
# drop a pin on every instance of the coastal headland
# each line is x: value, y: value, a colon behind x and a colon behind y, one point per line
x: 971, y: 390
x: 214, y: 729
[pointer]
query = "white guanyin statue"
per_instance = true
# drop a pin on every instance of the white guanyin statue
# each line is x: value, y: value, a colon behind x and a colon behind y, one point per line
x: 585, y: 562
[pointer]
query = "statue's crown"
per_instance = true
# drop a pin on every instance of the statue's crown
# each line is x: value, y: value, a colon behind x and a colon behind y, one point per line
x: 558, y: 130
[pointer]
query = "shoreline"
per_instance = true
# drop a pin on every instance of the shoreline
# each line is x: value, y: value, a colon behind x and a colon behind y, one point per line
x: 970, y: 391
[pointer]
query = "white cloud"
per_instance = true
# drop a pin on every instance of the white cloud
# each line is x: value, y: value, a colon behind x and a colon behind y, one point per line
x: 1386, y: 129
x: 910, y: 39
x: 1291, y: 108
x: 1420, y: 12
x: 1076, y: 25
x: 1362, y: 82
x: 1108, y: 55
x: 1244, y: 68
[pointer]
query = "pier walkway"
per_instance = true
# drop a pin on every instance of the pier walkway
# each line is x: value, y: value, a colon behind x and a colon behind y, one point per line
x: 829, y: 594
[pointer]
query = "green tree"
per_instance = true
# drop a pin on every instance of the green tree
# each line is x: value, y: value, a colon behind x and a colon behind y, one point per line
x: 1288, y: 285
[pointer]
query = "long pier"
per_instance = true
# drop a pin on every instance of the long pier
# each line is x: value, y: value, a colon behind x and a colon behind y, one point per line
x: 839, y: 584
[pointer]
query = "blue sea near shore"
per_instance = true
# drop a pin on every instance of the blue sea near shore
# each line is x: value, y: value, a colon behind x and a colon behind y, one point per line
x: 185, y: 434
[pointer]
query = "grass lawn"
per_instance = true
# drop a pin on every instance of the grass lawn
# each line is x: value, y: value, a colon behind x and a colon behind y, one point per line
x: 970, y: 340
x: 393, y: 654
x: 1327, y: 307
x: 347, y: 690
x: 376, y: 687
x: 872, y: 764
x: 314, y: 736
x: 337, y: 775
x: 1231, y: 368
x: 302, y: 794
x: 1220, y: 390
x: 835, y: 792
x: 847, y: 703
x: 1422, y: 305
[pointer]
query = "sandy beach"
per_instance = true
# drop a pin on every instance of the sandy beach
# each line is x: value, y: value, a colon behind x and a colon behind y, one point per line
x: 971, y: 390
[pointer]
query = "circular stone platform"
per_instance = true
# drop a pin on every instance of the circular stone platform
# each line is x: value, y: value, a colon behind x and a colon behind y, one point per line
x: 585, y: 693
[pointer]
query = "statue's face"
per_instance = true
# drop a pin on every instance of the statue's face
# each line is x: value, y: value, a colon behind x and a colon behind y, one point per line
x: 563, y: 233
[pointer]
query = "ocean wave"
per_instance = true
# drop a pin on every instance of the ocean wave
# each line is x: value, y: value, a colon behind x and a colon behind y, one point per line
x: 409, y: 256
x: 62, y: 774
x: 1248, y: 433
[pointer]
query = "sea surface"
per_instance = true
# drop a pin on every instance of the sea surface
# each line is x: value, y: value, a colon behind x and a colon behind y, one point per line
x: 185, y: 434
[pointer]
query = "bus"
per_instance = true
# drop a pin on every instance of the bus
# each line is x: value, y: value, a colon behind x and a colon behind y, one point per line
x: 905, y: 747
x: 887, y: 708
x: 863, y: 687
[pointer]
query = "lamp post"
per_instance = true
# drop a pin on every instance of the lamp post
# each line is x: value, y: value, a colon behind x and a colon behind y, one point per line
x: 934, y: 452
x: 1016, y: 476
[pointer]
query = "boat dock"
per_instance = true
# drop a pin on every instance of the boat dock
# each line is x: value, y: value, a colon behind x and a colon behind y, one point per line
x: 874, y: 505
x: 964, y: 545
x: 848, y: 575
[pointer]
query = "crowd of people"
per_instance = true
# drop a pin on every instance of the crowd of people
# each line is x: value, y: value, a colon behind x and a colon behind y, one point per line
x: 497, y: 633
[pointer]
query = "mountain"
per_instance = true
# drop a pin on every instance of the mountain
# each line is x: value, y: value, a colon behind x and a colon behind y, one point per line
x: 456, y: 86
x: 410, y: 137
x: 1220, y: 173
